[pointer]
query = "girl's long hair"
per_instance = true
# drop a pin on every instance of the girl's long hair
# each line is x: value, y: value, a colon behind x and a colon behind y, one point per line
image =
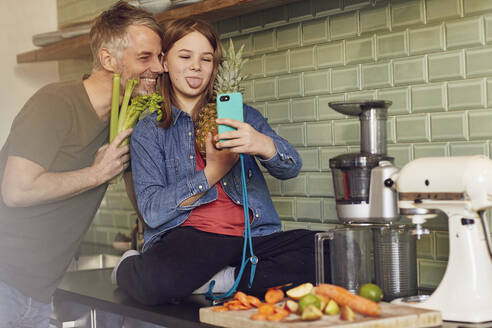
x: 174, y: 30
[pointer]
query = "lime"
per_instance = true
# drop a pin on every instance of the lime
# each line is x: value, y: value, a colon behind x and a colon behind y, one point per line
x: 371, y: 291
x: 309, y: 299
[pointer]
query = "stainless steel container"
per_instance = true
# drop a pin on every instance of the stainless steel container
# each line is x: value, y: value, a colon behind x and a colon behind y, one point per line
x: 395, y: 261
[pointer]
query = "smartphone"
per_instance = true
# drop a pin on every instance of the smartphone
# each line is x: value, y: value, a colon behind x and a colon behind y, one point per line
x: 229, y: 105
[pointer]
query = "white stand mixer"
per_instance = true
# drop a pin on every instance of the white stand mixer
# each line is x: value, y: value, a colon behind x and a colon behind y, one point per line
x: 461, y: 187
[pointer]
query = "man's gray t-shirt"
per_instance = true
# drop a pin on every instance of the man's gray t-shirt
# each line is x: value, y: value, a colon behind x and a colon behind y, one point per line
x: 58, y: 129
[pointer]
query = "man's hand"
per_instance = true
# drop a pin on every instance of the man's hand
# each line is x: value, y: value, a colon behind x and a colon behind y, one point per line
x: 111, y: 159
x: 245, y: 140
x: 219, y: 162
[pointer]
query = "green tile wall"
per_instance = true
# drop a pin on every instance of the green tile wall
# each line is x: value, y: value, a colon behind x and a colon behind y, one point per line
x: 431, y: 58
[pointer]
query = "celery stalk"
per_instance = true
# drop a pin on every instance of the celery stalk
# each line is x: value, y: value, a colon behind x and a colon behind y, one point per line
x: 130, y: 85
x: 115, y: 106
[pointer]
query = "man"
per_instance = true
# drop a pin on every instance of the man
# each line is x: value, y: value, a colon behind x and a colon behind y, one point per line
x: 55, y: 165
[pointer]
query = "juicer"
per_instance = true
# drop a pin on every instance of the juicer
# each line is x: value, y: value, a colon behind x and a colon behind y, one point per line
x: 461, y: 187
x: 358, y: 178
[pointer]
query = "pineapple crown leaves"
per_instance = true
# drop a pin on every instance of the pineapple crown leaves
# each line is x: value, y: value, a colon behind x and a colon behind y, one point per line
x: 229, y: 76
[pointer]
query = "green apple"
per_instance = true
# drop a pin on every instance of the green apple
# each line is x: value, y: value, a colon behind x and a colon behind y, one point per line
x: 311, y: 312
x: 332, y: 308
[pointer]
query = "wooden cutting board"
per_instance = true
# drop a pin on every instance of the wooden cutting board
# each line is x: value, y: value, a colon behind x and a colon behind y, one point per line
x: 392, y: 315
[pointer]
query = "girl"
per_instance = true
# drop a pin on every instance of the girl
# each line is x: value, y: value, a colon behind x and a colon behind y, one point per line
x: 192, y: 207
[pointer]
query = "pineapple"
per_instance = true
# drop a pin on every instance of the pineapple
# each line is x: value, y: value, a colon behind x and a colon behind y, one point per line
x: 228, y: 80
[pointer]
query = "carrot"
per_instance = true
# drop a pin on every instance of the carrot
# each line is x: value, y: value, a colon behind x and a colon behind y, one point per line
x: 274, y: 295
x: 281, y: 311
x: 255, y: 301
x: 276, y: 317
x: 258, y: 316
x: 266, y: 309
x: 220, y: 309
x: 243, y: 298
x: 343, y: 297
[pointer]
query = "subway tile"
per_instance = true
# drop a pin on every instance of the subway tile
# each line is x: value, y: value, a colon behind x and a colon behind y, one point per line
x: 488, y: 28
x: 345, y: 79
x: 374, y: 19
x: 359, y: 50
x: 265, y: 89
x: 343, y: 26
x: 294, y: 133
x: 229, y: 27
x: 302, y: 59
x: 480, y: 122
x: 288, y: 36
x: 442, y: 245
x: 376, y: 75
x: 286, y: 226
x: 273, y: 184
x: 278, y: 111
x: 391, y: 45
x: 308, y: 209
x: 248, y: 90
x: 467, y: 94
x: 468, y: 148
x: 400, y: 98
x: 425, y: 247
x: 407, y: 13
x: 285, y: 207
x: 446, y: 66
x: 439, y: 10
x: 295, y: 186
x: 489, y: 92
x: 449, y: 126
x: 391, y: 129
x: 402, y: 154
x: 426, y: 40
x: 428, y: 98
x: 319, y: 133
x: 251, y: 22
x: 430, y: 272
x: 320, y: 184
x: 242, y: 40
x: 330, y: 55
x: 304, y: 109
x: 316, y: 82
x: 476, y: 6
x: 430, y: 150
x: 412, y: 128
x: 329, y: 211
x: 327, y: 153
x: 299, y: 10
x: 325, y: 112
x: 254, y: 67
x: 323, y: 7
x: 290, y: 86
x: 478, y: 62
x: 261, y: 107
x: 264, y: 41
x: 346, y: 132
x: 412, y: 70
x: 277, y: 63
x: 310, y: 159
x: 361, y: 95
x: 275, y: 16
x: 465, y: 33
x: 315, y: 31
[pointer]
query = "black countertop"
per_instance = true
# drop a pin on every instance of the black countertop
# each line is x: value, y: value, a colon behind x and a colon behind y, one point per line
x: 94, y: 288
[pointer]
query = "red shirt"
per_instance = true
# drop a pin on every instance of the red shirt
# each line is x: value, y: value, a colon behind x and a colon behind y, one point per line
x: 221, y: 216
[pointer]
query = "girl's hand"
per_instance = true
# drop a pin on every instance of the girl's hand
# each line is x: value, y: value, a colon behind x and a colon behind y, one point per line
x: 219, y: 162
x: 245, y: 140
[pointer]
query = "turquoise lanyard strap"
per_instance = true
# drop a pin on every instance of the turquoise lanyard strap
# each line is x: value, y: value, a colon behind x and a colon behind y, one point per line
x: 247, y: 240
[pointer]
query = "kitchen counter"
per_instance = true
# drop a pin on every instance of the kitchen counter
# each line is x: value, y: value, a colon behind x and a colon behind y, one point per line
x: 94, y: 288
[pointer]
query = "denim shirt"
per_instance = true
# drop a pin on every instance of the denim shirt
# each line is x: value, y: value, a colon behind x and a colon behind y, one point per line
x: 164, y: 174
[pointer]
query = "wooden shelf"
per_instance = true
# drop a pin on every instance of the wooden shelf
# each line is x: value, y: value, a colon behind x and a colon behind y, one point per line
x: 209, y: 10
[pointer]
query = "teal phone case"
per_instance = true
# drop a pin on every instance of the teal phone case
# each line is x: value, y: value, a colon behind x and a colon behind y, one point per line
x: 229, y: 105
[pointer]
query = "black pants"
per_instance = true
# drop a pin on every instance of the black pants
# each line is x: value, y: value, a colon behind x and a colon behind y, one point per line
x: 186, y: 258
